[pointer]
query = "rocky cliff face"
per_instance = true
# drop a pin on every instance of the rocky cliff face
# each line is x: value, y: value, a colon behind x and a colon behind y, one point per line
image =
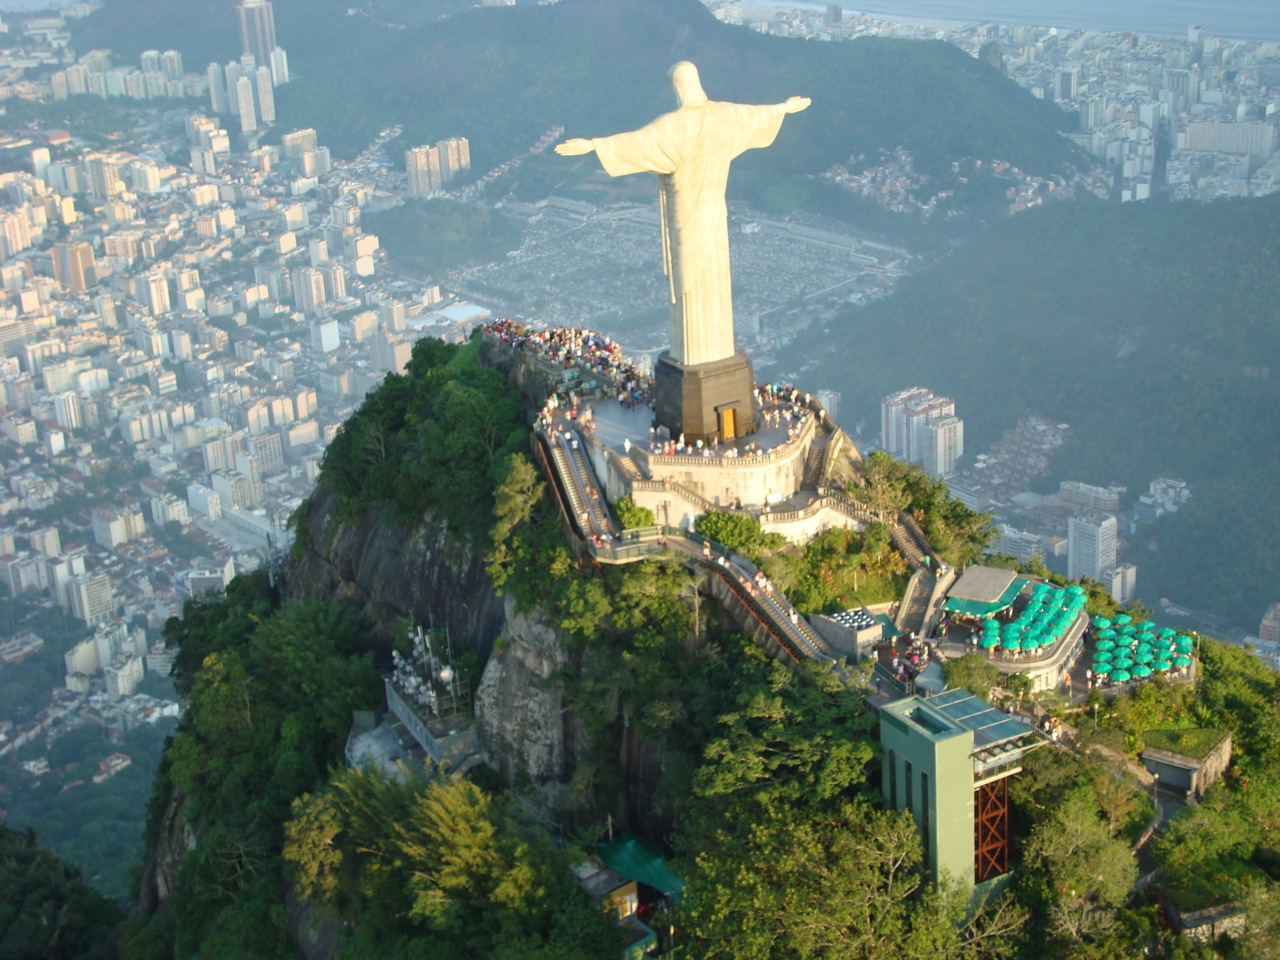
x: 392, y: 573
x: 521, y: 712
x: 175, y: 838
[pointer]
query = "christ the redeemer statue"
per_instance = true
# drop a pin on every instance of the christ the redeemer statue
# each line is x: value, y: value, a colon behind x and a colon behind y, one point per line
x: 690, y: 149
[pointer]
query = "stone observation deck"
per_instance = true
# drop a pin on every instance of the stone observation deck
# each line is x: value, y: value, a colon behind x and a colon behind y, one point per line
x: 789, y: 474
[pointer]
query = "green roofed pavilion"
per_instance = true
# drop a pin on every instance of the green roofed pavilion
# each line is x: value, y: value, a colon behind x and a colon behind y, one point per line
x: 983, y: 592
x: 633, y: 859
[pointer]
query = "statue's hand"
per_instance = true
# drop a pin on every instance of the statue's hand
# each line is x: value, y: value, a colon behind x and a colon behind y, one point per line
x: 574, y: 148
x: 796, y: 104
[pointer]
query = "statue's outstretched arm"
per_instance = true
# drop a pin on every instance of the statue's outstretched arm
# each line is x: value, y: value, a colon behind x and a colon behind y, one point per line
x: 576, y: 147
x: 794, y: 104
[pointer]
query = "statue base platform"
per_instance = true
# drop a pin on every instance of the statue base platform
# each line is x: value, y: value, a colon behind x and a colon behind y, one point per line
x: 708, y: 401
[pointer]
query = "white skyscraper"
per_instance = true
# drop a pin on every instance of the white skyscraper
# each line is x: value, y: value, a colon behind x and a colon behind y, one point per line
x: 266, y: 99
x: 244, y: 97
x: 217, y: 89
x: 66, y: 409
x: 279, y: 66
x: 257, y: 29
x: 1091, y: 545
x: 232, y: 72
x: 893, y: 421
x: 943, y: 442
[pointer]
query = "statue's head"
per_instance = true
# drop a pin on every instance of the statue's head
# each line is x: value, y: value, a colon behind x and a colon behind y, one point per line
x: 689, y: 92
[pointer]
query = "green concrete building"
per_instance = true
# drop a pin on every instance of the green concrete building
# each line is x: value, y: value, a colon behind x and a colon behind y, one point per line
x: 948, y: 760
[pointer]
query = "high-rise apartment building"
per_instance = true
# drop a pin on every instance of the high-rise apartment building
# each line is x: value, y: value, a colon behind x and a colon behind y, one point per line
x: 1122, y: 582
x: 917, y: 416
x: 66, y: 409
x: 216, y: 88
x: 257, y: 29
x: 324, y: 336
x: 918, y: 427
x: 232, y: 72
x: 1091, y: 545
x: 171, y: 64
x: 308, y: 289
x: 73, y: 266
x: 422, y: 166
x: 244, y: 99
x: 155, y: 291
x: 893, y: 421
x: 455, y: 157
x: 266, y: 99
x: 279, y: 66
x: 1269, y: 629
x: 297, y: 142
x: 943, y: 443
x: 91, y: 598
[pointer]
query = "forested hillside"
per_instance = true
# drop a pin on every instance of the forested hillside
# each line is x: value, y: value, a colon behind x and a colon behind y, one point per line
x: 503, y: 76
x: 1152, y: 329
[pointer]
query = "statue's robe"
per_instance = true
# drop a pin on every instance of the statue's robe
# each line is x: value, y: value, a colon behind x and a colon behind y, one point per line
x: 690, y: 149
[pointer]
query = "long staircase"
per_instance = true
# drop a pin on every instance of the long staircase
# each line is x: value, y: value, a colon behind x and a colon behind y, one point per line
x: 590, y: 516
x: 815, y: 462
x: 915, y: 605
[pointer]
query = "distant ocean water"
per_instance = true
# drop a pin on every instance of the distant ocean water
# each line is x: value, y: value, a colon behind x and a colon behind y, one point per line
x: 1233, y: 19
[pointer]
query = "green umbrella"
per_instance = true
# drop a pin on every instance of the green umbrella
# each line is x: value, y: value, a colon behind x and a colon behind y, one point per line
x: 1126, y: 641
x: 1122, y: 663
x: 1031, y: 644
x: 1146, y: 625
x: 1101, y: 623
x: 1040, y: 589
x: 1146, y: 636
x: 1011, y: 643
x: 1103, y: 656
x: 1075, y: 588
x: 1142, y: 670
x: 1144, y: 656
x: 1166, y: 632
x: 1162, y: 665
x: 1128, y: 630
x: 1181, y: 661
x: 1185, y: 643
x: 1124, y: 619
x: 1120, y: 676
x: 1105, y: 646
x: 1142, y: 648
x: 989, y: 640
x: 1102, y: 669
x: 1106, y: 635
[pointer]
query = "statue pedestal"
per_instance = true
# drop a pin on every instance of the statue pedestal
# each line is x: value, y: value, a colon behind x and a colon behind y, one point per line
x: 710, y: 400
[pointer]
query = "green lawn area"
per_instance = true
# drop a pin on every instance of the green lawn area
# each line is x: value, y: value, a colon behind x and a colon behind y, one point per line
x: 1194, y: 742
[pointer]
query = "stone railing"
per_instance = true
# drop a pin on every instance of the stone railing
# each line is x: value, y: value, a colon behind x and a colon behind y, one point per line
x: 773, y: 456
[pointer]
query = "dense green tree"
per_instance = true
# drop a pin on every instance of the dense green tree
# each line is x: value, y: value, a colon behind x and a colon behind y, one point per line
x: 632, y: 516
x: 437, y: 437
x: 46, y: 909
x: 737, y: 532
x: 441, y: 860
x: 1089, y: 873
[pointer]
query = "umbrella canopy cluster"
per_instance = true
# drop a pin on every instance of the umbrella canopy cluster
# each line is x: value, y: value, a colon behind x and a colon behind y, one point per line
x: 1044, y: 621
x: 1133, y: 653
